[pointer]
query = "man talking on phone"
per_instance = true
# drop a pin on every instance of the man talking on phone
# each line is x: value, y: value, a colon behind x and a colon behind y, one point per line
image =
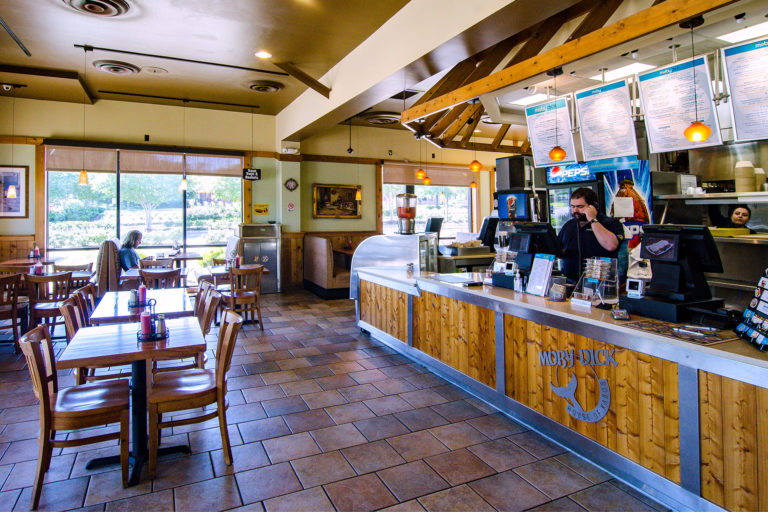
x: 588, y: 234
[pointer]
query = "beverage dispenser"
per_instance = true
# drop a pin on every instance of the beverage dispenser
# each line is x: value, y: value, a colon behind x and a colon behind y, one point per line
x: 406, y: 213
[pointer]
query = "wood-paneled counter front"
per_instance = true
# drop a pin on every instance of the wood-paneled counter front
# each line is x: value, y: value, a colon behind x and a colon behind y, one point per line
x: 685, y: 423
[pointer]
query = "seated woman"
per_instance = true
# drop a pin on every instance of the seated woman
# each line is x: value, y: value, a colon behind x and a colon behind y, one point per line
x: 129, y: 258
x: 738, y: 216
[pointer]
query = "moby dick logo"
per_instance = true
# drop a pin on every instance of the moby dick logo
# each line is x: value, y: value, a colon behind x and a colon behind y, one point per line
x: 587, y: 357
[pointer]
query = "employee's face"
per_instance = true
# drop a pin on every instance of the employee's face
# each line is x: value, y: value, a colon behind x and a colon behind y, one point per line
x: 740, y: 216
x: 578, y: 206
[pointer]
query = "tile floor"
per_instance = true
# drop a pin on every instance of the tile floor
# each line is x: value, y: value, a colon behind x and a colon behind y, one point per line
x: 320, y: 418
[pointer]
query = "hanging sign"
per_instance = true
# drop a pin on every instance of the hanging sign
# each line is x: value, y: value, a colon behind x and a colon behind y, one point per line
x: 605, y: 121
x: 252, y: 174
x: 745, y: 72
x: 549, y: 125
x: 668, y: 103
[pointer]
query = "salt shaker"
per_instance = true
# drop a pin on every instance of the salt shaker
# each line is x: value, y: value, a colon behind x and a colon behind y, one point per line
x: 160, y: 326
x: 134, y: 297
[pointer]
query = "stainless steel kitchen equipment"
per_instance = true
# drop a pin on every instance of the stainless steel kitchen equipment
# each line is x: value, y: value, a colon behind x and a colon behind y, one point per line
x: 261, y: 244
x: 393, y: 251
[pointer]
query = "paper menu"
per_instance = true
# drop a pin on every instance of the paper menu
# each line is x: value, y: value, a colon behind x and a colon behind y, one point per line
x: 541, y: 271
x: 668, y: 103
x: 605, y: 121
x: 542, y: 120
x: 745, y: 73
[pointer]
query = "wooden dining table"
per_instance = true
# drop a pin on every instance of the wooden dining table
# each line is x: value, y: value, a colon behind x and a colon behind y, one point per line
x: 114, y: 308
x: 117, y: 344
x: 28, y: 262
x: 132, y: 274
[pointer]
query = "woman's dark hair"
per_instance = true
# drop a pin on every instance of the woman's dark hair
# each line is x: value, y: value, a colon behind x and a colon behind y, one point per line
x: 736, y: 207
x: 131, y: 240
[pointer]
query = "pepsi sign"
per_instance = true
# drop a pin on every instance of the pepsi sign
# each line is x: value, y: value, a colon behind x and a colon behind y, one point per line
x: 569, y: 174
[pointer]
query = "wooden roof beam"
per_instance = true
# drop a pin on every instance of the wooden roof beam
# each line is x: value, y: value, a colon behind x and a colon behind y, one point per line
x: 485, y: 147
x: 632, y: 27
x: 456, y: 127
x: 500, y: 135
x: 596, y: 18
x: 471, y: 127
x: 437, y: 131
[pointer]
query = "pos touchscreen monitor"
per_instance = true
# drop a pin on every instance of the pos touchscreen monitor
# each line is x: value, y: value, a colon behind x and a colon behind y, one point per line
x: 680, y: 254
x: 531, y: 238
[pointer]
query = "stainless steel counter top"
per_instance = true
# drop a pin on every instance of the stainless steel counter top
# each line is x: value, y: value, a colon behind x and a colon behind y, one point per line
x: 734, y: 359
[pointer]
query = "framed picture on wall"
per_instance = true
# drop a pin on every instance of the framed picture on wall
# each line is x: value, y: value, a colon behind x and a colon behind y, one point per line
x: 335, y: 201
x: 14, y: 183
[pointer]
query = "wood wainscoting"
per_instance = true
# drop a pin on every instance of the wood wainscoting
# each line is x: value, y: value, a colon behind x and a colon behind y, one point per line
x: 642, y: 418
x: 15, y: 246
x: 384, y: 308
x: 291, y: 260
x: 734, y: 442
x: 457, y: 333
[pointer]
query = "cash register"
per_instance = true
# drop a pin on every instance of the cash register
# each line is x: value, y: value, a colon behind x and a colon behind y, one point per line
x: 679, y: 256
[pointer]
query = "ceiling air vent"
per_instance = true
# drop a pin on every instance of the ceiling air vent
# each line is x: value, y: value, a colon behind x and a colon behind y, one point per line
x: 268, y: 86
x: 105, y: 8
x: 115, y: 67
x: 405, y: 94
x: 381, y: 118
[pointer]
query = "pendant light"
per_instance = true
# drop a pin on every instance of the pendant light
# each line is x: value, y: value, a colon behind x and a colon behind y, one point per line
x: 183, y: 184
x: 359, y: 191
x: 10, y: 192
x: 557, y: 153
x: 697, y: 131
x: 427, y: 180
x: 474, y: 165
x: 473, y: 185
x: 420, y: 173
x: 83, y: 178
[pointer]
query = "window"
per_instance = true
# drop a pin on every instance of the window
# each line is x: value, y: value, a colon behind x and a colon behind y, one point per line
x: 79, y: 216
x: 453, y: 204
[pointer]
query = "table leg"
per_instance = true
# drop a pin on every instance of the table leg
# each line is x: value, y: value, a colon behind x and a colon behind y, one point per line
x: 140, y: 452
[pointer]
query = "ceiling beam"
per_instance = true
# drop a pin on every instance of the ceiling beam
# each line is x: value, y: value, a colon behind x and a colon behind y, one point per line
x: 304, y: 78
x: 632, y: 27
x: 471, y: 127
x: 437, y: 131
x: 500, y: 135
x: 463, y: 119
x: 596, y: 18
x: 488, y: 148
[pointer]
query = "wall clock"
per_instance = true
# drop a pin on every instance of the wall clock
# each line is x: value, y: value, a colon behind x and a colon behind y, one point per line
x: 291, y: 184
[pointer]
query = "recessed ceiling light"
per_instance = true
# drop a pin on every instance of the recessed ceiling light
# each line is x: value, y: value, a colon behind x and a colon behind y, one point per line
x: 615, y: 74
x: 478, y: 131
x: 263, y: 54
x: 527, y: 100
x: 746, y: 33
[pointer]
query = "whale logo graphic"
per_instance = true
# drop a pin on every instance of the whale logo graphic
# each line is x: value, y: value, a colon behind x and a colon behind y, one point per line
x: 575, y: 409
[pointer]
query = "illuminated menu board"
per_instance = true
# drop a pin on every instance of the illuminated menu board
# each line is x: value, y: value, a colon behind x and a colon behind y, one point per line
x: 605, y: 121
x: 667, y: 98
x: 746, y: 72
x: 542, y: 120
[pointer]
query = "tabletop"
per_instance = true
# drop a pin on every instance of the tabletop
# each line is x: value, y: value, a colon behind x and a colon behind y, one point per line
x: 112, y: 345
x: 172, y: 302
x: 222, y: 271
x: 183, y: 256
x: 133, y: 273
x: 28, y: 262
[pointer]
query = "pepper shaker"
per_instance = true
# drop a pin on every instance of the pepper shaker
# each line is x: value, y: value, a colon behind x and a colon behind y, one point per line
x: 160, y: 328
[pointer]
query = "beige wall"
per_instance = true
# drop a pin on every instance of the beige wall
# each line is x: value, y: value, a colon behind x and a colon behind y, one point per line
x: 265, y: 191
x: 338, y: 174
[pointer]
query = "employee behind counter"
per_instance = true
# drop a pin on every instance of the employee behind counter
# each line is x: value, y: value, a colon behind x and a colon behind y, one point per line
x: 588, y: 234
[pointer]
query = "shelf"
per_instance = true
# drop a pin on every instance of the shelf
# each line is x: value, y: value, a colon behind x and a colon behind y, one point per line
x: 718, y: 197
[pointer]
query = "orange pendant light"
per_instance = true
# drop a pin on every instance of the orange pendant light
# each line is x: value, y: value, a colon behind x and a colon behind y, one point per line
x: 473, y: 185
x: 421, y: 174
x: 475, y: 166
x: 697, y: 132
x: 557, y: 154
x: 427, y: 180
x: 83, y: 179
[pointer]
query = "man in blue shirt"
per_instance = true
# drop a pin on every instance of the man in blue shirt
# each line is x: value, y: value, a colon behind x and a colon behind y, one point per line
x: 588, y: 234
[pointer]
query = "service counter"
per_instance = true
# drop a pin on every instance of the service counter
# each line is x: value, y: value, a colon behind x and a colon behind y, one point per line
x: 685, y: 423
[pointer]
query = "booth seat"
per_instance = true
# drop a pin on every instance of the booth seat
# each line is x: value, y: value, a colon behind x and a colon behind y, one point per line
x: 326, y: 273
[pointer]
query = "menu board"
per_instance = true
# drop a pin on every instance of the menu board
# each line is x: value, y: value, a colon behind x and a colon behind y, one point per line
x: 667, y: 98
x: 745, y: 74
x: 542, y: 120
x: 605, y: 121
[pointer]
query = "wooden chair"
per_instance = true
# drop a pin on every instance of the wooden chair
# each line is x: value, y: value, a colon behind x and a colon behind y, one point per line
x: 205, y: 317
x: 154, y: 279
x: 203, y: 289
x: 189, y: 389
x: 75, y: 282
x: 9, y: 302
x: 107, y: 268
x: 77, y: 407
x: 221, y: 283
x: 46, y: 295
x: 89, y: 294
x: 166, y: 263
x: 245, y: 296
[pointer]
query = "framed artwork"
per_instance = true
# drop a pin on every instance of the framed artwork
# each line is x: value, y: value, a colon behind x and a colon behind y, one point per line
x: 14, y: 183
x: 335, y: 201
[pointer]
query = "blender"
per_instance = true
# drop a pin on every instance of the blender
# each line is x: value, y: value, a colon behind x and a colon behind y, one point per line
x: 406, y: 213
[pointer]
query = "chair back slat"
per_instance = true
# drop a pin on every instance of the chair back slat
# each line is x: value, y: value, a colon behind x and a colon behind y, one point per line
x: 9, y: 290
x: 208, y: 311
x: 165, y: 263
x: 203, y: 289
x: 89, y: 293
x: 76, y: 282
x: 230, y: 326
x: 73, y: 316
x: 41, y: 362
x: 155, y: 279
x: 245, y: 280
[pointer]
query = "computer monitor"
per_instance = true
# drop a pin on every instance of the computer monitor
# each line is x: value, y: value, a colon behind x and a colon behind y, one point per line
x: 513, y: 206
x: 680, y: 254
x: 433, y: 225
x: 488, y: 232
x: 531, y: 238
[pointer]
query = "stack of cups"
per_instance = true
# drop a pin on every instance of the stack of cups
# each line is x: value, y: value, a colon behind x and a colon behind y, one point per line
x: 744, y: 175
x: 759, y: 179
